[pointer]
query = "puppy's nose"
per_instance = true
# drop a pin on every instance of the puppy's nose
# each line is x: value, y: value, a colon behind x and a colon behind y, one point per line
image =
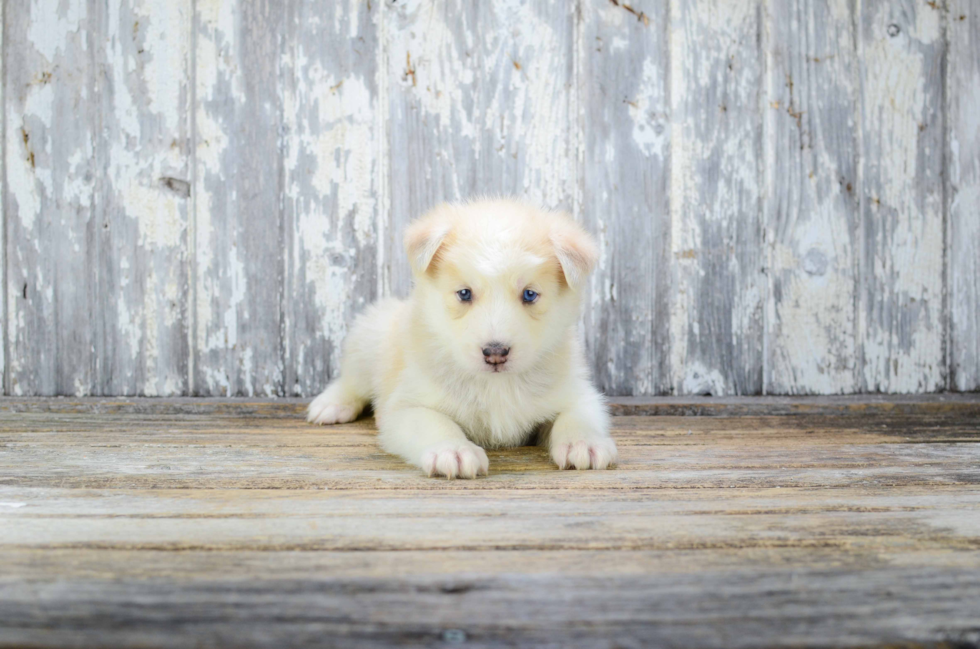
x: 495, y: 353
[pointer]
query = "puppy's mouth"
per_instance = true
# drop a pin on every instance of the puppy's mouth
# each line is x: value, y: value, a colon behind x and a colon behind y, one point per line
x: 499, y: 366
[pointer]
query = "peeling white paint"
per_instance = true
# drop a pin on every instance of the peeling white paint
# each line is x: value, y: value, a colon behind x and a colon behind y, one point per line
x: 159, y: 215
x: 491, y: 107
x: 515, y: 125
x: 715, y: 187
x: 47, y: 29
x: 811, y: 204
x: 963, y: 243
x: 701, y: 380
x: 332, y: 198
x: 145, y: 126
x: 900, y: 316
x: 221, y: 307
x: 534, y: 106
x: 24, y: 174
x: 165, y: 72
x: 345, y: 152
x: 430, y: 63
x: 642, y: 110
x: 4, y: 326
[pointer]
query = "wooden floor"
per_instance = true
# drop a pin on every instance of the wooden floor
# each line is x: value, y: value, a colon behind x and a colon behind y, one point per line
x: 174, y: 523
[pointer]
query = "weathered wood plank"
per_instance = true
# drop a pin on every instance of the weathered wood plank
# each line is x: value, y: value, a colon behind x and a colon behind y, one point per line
x: 669, y: 520
x: 237, y: 225
x: 718, y: 295
x: 221, y: 452
x: 3, y: 213
x: 942, y: 405
x: 53, y: 176
x: 451, y: 567
x: 145, y: 128
x: 812, y: 207
x: 479, y: 101
x: 963, y: 171
x: 624, y: 119
x: 37, y: 431
x: 332, y: 154
x: 900, y: 314
x: 765, y: 607
x: 716, y: 532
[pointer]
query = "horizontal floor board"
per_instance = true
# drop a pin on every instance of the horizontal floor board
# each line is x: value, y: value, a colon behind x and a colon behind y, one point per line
x: 887, y: 606
x: 932, y: 404
x: 164, y: 523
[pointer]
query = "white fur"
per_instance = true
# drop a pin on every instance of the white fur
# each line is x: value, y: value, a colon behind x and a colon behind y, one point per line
x: 437, y: 402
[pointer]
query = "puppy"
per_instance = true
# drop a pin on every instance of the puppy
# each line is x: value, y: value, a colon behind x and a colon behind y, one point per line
x: 485, y: 352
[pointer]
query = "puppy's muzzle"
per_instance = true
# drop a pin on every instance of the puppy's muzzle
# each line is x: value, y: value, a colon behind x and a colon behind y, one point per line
x: 495, y: 354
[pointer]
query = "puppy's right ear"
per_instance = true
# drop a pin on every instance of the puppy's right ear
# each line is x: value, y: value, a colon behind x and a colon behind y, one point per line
x: 425, y: 236
x: 575, y: 249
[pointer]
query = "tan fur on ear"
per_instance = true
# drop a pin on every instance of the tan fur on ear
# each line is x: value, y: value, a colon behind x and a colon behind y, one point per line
x: 424, y: 237
x: 575, y: 249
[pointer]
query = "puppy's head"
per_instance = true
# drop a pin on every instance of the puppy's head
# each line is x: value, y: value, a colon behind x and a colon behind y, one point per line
x: 497, y: 283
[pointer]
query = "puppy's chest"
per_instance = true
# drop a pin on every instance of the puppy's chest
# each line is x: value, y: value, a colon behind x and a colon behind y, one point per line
x: 498, y: 417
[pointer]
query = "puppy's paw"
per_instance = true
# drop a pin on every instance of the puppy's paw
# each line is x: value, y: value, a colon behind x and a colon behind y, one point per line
x: 596, y: 453
x: 455, y: 460
x: 326, y: 409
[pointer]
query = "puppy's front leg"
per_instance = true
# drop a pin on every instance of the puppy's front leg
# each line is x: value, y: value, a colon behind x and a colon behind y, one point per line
x: 431, y: 440
x: 579, y: 437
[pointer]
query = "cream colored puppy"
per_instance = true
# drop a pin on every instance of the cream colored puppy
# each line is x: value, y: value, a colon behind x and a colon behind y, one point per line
x: 485, y: 352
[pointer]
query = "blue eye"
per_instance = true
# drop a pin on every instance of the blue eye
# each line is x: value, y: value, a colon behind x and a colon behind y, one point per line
x: 529, y: 296
x: 464, y: 295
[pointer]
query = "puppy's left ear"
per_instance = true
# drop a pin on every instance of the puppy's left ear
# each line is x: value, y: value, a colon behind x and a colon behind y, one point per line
x: 575, y: 249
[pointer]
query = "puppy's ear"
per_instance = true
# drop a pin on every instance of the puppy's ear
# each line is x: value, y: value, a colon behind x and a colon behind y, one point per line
x: 425, y: 236
x: 575, y: 249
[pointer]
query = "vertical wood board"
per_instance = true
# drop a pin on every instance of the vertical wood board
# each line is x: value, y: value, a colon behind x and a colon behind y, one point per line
x: 963, y: 171
x: 332, y: 154
x: 719, y: 290
x: 238, y: 216
x: 625, y: 124
x: 3, y: 214
x: 812, y: 204
x: 145, y: 196
x: 900, y: 316
x: 52, y: 178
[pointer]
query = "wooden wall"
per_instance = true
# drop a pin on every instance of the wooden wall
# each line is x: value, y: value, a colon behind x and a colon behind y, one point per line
x: 199, y: 195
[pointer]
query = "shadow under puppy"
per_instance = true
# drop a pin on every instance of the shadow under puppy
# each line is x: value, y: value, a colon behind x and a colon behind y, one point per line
x: 485, y: 352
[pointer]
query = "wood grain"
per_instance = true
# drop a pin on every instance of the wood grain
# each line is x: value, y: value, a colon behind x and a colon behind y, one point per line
x: 200, y: 195
x: 157, y: 528
x: 53, y: 176
x: 144, y: 206
x: 478, y: 103
x: 812, y: 205
x: 718, y: 293
x: 963, y: 194
x: 4, y: 389
x: 332, y: 155
x: 932, y: 405
x: 900, y: 324
x: 99, y: 247
x: 238, y: 226
x: 624, y: 116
